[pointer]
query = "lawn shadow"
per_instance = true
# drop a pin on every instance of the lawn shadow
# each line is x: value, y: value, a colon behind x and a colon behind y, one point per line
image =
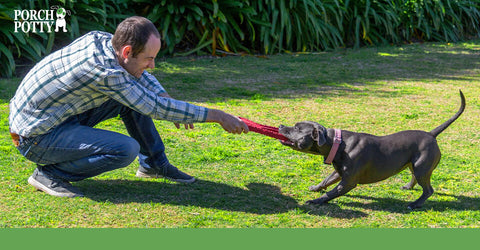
x: 293, y: 76
x: 256, y: 198
x: 332, y: 210
x: 393, y: 205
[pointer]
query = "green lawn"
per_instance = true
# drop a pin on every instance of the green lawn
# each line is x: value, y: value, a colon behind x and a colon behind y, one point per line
x: 252, y: 180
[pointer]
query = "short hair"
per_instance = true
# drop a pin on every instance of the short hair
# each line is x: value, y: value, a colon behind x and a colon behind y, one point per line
x: 134, y: 31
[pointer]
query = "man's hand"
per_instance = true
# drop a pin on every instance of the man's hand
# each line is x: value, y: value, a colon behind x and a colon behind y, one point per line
x: 177, y: 125
x: 230, y: 123
x: 187, y: 125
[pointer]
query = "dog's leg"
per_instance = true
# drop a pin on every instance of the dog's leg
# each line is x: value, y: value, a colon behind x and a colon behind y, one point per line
x: 427, y: 192
x: 412, y: 182
x: 423, y: 171
x: 331, y: 179
x: 342, y: 188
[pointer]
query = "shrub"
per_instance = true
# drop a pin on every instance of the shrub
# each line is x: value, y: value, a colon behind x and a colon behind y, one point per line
x: 297, y: 25
x: 192, y: 25
x: 13, y: 45
x: 375, y: 22
x: 439, y: 20
x: 26, y: 48
x: 250, y: 26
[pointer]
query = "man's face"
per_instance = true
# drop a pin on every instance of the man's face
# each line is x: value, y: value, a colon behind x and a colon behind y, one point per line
x: 144, y: 60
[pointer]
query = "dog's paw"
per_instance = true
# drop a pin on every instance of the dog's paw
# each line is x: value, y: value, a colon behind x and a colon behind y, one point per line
x: 413, y: 206
x: 315, y: 202
x: 407, y: 187
x: 316, y: 188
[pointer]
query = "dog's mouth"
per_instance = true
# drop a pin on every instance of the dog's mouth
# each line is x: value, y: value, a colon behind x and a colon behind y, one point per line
x: 287, y: 143
x: 285, y: 140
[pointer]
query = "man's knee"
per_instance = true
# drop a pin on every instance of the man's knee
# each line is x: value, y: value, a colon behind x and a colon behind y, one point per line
x: 129, y: 151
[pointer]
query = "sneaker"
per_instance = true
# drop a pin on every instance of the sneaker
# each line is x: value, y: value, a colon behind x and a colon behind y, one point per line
x: 169, y: 172
x: 53, y: 186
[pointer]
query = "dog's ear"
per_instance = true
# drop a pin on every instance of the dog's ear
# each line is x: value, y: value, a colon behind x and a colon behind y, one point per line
x: 319, y: 134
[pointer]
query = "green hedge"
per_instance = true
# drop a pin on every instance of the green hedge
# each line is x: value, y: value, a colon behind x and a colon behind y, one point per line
x: 17, y: 48
x: 249, y: 26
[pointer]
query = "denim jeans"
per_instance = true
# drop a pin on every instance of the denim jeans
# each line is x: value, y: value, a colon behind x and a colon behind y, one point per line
x: 75, y: 150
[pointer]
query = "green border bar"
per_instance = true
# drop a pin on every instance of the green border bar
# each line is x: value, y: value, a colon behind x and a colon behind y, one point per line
x: 239, y: 238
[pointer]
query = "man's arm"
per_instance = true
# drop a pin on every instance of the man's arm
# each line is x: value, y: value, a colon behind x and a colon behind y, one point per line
x: 161, y: 106
x: 150, y: 82
x: 229, y: 122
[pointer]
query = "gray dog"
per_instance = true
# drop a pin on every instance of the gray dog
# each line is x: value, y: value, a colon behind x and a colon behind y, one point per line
x: 360, y: 158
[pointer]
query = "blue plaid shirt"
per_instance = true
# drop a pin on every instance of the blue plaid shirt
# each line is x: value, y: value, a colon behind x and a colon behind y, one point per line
x: 82, y: 76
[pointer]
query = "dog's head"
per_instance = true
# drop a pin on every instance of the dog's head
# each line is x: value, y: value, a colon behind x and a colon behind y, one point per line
x: 61, y: 13
x: 305, y: 136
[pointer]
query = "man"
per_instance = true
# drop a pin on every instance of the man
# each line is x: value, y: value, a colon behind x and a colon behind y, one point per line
x: 97, y: 77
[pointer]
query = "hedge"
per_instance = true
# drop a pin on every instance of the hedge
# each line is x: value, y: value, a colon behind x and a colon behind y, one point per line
x: 247, y: 26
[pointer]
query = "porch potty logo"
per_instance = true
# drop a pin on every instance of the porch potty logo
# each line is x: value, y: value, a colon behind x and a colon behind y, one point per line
x: 41, y: 21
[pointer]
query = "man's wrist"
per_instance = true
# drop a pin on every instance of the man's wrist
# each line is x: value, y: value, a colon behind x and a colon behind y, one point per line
x: 214, y: 115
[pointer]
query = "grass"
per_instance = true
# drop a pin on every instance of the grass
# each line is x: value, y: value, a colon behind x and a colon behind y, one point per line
x: 253, y: 181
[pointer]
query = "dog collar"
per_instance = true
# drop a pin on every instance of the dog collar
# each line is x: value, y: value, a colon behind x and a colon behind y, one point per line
x: 337, y: 140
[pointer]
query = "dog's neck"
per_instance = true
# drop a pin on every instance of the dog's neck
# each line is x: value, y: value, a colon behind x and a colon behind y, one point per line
x: 337, y: 140
x: 325, y: 149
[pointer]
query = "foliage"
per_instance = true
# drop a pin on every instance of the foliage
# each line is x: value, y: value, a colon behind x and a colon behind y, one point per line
x: 196, y: 24
x: 439, y: 20
x: 30, y: 47
x: 297, y: 25
x: 267, y: 26
x: 250, y: 26
x: 88, y: 15
x: 374, y: 22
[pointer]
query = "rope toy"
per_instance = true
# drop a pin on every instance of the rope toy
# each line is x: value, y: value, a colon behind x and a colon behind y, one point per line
x: 264, y: 129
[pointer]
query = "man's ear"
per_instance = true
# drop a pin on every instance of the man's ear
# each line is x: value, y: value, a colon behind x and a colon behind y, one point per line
x: 319, y: 134
x: 126, y: 51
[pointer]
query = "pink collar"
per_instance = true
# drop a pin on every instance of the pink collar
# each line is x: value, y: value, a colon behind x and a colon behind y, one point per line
x: 337, y: 140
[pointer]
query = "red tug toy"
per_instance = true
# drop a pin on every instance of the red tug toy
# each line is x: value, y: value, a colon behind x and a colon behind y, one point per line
x: 264, y: 129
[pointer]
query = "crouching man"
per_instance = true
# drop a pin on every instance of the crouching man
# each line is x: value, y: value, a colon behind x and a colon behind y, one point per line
x: 97, y: 77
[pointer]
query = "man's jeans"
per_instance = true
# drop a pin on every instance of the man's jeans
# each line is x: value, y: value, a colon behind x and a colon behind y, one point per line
x: 75, y: 150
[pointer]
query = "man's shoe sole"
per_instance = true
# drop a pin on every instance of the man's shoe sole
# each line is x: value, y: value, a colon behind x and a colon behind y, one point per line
x: 47, y: 190
x: 141, y: 174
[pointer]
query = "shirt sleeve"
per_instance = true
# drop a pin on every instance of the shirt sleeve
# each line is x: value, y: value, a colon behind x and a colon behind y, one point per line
x: 144, y: 98
x: 151, y: 83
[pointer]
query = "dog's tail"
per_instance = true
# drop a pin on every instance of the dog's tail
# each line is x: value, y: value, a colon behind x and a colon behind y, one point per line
x: 435, y: 132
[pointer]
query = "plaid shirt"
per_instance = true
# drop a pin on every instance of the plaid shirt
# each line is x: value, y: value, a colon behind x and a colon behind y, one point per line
x: 82, y: 76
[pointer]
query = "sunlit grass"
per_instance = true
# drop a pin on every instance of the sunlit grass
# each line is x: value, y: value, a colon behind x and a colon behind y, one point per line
x: 252, y: 180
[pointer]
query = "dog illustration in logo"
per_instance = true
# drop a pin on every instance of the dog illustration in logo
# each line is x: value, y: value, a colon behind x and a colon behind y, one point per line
x: 61, y: 23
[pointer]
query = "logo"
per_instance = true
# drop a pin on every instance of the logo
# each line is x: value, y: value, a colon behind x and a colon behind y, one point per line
x: 41, y: 21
